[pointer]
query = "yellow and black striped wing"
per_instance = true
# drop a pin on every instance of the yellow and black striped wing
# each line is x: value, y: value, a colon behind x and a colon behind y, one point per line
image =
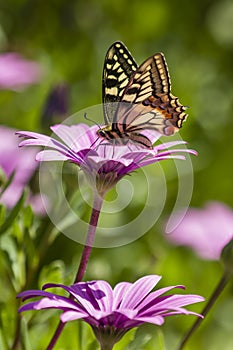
x: 119, y: 66
x: 150, y: 79
x: 147, y: 102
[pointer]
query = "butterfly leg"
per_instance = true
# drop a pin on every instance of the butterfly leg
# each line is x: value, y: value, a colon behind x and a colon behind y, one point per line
x: 95, y: 142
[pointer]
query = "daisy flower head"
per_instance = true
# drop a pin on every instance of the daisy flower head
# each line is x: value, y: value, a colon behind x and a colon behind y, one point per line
x: 111, y: 312
x: 206, y: 230
x: 16, y: 72
x: 103, y: 164
x: 21, y: 163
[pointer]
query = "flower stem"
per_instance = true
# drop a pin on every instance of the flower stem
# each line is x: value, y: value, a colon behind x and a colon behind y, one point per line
x: 56, y: 335
x: 220, y: 287
x: 97, y: 204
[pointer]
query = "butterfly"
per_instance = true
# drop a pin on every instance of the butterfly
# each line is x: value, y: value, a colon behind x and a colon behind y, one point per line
x: 136, y: 99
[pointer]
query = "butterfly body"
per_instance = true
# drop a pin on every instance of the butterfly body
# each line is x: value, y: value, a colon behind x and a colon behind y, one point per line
x: 137, y: 98
x: 118, y: 137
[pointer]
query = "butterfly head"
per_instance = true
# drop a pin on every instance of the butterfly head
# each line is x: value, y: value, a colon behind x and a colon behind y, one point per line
x: 101, y: 133
x: 104, y: 132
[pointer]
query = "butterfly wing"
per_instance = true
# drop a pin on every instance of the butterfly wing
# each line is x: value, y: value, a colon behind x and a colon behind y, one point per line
x: 151, y: 78
x: 119, y: 66
x: 147, y: 102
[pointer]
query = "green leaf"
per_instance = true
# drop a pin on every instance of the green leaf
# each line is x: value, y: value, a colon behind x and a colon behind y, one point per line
x: 127, y: 341
x: 88, y: 340
x: 2, y: 214
x: 15, y: 260
x: 2, y: 176
x: 30, y: 249
x: 25, y: 336
x: 7, y: 183
x: 3, y: 340
x: 28, y: 217
x: 54, y: 272
x: 145, y: 337
x: 14, y: 212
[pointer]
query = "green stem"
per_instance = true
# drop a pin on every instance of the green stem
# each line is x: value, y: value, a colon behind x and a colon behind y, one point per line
x: 15, y: 344
x: 220, y: 287
x: 31, y: 273
x: 97, y: 204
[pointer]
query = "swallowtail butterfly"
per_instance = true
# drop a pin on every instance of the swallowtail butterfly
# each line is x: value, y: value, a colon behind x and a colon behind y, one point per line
x: 137, y: 98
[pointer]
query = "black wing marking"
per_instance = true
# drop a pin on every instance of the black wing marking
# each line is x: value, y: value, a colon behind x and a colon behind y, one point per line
x: 119, y: 66
x: 150, y: 79
x: 147, y: 102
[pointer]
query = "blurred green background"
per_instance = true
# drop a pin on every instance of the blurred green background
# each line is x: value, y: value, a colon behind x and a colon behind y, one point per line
x: 70, y: 39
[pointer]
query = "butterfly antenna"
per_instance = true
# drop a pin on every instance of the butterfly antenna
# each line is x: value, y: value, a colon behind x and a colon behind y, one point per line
x: 91, y: 120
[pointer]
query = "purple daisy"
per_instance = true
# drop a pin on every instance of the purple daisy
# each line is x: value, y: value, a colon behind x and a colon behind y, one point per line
x: 206, y: 230
x: 16, y: 72
x: 22, y: 162
x: 113, y: 312
x: 104, y: 164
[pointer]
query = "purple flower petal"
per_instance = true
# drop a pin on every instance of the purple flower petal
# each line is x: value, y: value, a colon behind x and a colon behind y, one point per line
x: 80, y: 145
x: 50, y: 155
x: 157, y: 320
x: 71, y: 135
x: 28, y: 294
x: 139, y: 290
x: 128, y: 305
x: 205, y: 230
x: 16, y: 72
x: 118, y: 293
x: 152, y: 298
x: 171, y: 302
x: 80, y: 292
x: 72, y: 315
x: 170, y: 144
x: 103, y: 288
x: 34, y: 139
x: 22, y: 163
